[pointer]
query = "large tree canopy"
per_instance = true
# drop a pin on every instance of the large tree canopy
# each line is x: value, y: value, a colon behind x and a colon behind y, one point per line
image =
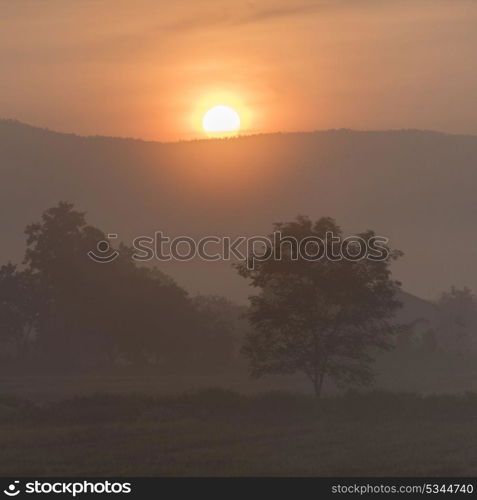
x: 322, y: 317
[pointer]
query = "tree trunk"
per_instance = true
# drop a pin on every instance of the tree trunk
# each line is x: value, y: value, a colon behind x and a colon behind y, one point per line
x: 317, y: 389
x: 318, y: 384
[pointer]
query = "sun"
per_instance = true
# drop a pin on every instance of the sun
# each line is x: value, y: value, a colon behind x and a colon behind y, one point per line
x: 221, y: 120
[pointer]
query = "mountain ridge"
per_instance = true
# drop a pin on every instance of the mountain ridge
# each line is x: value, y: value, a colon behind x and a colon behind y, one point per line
x: 415, y: 187
x: 19, y: 124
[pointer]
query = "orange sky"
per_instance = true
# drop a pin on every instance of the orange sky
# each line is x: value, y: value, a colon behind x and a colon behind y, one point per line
x: 150, y: 68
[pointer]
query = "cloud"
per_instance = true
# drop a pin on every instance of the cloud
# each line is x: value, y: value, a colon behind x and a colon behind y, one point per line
x: 206, y: 15
x: 239, y: 14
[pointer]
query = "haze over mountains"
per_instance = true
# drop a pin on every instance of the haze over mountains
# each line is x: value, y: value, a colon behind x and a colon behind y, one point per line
x: 416, y: 188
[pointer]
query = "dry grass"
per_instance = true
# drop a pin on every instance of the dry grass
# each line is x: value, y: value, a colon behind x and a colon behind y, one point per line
x: 221, y: 433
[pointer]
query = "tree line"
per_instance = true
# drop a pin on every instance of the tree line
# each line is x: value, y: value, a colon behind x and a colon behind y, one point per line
x: 60, y: 309
x: 326, y: 319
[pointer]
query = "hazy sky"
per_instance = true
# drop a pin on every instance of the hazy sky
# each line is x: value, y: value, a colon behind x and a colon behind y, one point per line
x: 150, y: 68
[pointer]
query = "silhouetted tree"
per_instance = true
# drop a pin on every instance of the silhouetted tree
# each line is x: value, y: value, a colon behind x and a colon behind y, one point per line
x: 222, y: 330
x: 320, y: 317
x: 155, y: 322
x: 91, y: 314
x: 17, y: 308
x: 72, y: 326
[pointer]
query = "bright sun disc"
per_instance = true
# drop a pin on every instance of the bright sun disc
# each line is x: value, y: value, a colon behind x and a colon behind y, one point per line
x: 220, y: 119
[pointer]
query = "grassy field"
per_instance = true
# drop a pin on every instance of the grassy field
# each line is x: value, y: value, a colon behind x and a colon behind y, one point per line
x: 223, y: 433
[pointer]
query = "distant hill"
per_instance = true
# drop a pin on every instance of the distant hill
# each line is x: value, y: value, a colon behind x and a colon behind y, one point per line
x: 417, y: 188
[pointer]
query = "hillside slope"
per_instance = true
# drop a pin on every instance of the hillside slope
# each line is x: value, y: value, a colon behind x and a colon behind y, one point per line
x: 417, y: 188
